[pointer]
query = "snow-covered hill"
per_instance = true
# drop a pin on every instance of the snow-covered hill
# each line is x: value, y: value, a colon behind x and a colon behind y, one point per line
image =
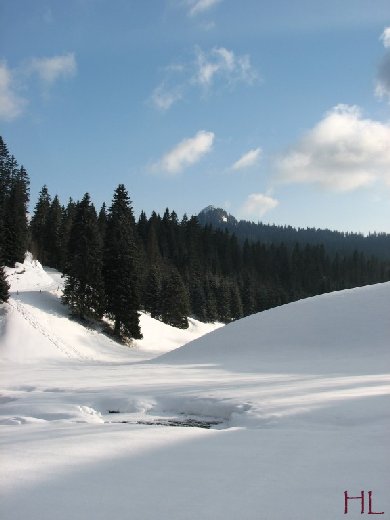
x: 346, y: 331
x: 296, y: 400
x: 36, y: 325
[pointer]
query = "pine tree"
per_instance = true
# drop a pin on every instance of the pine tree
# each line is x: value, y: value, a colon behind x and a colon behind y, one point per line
x: 211, y: 300
x: 38, y: 225
x: 223, y: 301
x: 236, y: 309
x: 4, y: 286
x: 152, y: 293
x: 15, y: 218
x: 5, y: 186
x: 84, y: 288
x: 53, y: 234
x: 121, y: 266
x: 102, y: 221
x: 174, y: 300
x: 198, y: 298
x: 68, y: 215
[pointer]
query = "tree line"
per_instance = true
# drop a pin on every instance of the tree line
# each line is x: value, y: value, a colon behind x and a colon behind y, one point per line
x: 116, y: 266
x: 14, y: 198
x: 377, y: 244
x: 173, y: 269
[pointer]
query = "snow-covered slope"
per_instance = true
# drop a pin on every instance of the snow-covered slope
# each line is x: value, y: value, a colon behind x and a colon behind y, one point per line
x: 345, y: 331
x: 300, y: 395
x: 35, y: 325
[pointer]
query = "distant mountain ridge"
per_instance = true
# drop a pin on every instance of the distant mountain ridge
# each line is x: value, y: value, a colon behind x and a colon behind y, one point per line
x: 377, y: 244
x: 213, y: 215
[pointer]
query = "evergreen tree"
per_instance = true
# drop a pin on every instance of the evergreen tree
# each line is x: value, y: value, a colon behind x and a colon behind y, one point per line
x: 14, y: 197
x: 102, y: 221
x: 39, y: 227
x: 198, y: 298
x: 4, y: 286
x: 15, y: 218
x: 5, y: 186
x: 121, y: 266
x: 68, y: 215
x: 223, y: 301
x: 84, y: 288
x: 152, y: 293
x: 211, y: 300
x: 236, y: 308
x: 174, y: 300
x: 53, y: 234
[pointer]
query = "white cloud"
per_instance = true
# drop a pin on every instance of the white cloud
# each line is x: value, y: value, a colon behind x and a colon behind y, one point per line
x: 223, y: 63
x: 342, y: 152
x: 382, y: 89
x: 187, y: 152
x: 11, y: 105
x: 51, y: 69
x: 385, y: 37
x: 219, y: 67
x: 199, y: 6
x: 163, y: 98
x: 248, y: 159
x: 257, y: 205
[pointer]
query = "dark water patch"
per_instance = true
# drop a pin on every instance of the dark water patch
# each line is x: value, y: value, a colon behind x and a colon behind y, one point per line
x: 176, y: 423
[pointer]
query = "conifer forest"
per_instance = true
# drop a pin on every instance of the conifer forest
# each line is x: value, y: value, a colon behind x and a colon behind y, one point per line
x: 116, y: 265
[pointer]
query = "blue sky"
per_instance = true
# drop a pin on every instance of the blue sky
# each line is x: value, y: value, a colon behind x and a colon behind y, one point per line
x: 277, y: 111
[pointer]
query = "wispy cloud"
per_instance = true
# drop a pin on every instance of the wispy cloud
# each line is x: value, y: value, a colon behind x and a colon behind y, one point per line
x: 248, y: 159
x: 11, y: 104
x: 382, y: 89
x: 51, y: 69
x: 385, y: 37
x: 186, y: 153
x: 342, y: 152
x: 164, y: 97
x: 216, y: 68
x: 257, y: 205
x: 223, y: 63
x: 48, y: 69
x: 200, y: 6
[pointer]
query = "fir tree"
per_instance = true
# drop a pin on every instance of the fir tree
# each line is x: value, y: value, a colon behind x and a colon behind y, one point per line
x: 152, y: 293
x: 5, y: 186
x: 38, y: 225
x: 174, y: 300
x: 4, y: 286
x: 102, y: 221
x: 84, y: 288
x: 223, y: 301
x: 15, y: 218
x: 68, y: 215
x: 211, y: 301
x: 236, y: 309
x: 53, y: 234
x: 121, y: 266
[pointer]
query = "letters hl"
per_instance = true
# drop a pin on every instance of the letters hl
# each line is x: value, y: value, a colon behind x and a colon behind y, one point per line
x: 362, y: 503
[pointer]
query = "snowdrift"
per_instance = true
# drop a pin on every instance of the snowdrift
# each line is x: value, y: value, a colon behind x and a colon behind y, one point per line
x: 340, y: 332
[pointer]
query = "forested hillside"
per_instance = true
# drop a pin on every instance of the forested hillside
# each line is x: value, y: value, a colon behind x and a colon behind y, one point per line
x: 178, y: 268
x: 377, y: 244
x: 116, y: 265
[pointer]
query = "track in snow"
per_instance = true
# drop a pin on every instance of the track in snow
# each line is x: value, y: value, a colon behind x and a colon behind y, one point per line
x: 68, y: 350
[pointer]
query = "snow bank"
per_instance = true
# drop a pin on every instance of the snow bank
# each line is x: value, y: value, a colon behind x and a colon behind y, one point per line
x: 342, y: 331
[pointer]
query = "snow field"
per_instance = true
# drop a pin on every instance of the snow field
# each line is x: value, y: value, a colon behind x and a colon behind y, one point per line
x: 300, y: 394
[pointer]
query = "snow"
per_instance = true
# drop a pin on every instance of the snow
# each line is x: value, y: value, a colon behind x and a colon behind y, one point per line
x: 333, y: 332
x: 300, y: 395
